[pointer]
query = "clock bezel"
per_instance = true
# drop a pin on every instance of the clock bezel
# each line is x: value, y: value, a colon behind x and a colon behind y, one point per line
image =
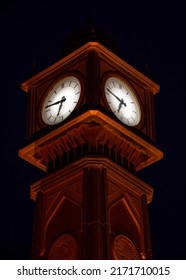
x: 134, y: 92
x: 47, y: 92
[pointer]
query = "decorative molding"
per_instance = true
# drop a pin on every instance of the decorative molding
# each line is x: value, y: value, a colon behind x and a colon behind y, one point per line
x: 92, y: 132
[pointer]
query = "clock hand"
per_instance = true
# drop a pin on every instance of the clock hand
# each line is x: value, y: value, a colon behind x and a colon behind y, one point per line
x: 114, y: 94
x: 120, y: 104
x: 63, y: 99
x: 120, y: 100
x: 119, y: 107
x: 57, y: 102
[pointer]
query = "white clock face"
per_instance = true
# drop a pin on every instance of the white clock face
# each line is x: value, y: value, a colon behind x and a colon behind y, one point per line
x: 61, y: 100
x: 122, y: 101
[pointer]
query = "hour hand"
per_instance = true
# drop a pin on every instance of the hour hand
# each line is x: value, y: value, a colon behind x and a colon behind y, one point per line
x: 120, y: 104
x: 119, y: 107
x: 63, y: 99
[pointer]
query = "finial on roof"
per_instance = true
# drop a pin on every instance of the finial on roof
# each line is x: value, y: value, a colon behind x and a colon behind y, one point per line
x: 88, y: 34
x: 90, y: 20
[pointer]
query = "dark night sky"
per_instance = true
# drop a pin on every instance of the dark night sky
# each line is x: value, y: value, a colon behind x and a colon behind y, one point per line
x: 151, y: 37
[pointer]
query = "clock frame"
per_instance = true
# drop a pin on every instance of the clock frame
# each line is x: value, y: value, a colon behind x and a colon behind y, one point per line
x: 123, y: 101
x: 61, y: 100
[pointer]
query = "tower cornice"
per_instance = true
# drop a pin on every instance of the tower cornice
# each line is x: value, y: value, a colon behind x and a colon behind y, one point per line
x: 91, y: 132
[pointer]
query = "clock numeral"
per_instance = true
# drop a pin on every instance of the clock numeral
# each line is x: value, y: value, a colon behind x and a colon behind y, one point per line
x: 70, y: 111
x: 77, y: 92
x: 70, y: 83
x: 55, y: 91
x: 49, y: 117
x: 62, y: 85
x: 120, y: 86
x: 132, y: 102
x: 134, y: 112
x: 47, y: 110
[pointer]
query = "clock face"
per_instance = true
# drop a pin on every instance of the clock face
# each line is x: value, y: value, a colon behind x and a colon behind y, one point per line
x: 61, y: 100
x: 122, y: 101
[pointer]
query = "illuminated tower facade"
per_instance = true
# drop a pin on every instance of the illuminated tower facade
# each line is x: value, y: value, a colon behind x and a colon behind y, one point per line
x: 91, y: 128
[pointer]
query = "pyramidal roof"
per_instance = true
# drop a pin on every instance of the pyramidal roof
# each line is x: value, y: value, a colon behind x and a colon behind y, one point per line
x: 89, y: 33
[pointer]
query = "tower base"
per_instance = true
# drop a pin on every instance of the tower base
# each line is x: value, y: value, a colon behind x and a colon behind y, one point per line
x: 91, y: 209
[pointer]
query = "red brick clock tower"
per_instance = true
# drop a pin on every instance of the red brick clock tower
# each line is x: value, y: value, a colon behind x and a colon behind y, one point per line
x: 91, y: 128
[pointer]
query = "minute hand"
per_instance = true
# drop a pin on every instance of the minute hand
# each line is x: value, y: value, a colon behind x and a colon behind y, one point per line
x: 57, y: 102
x: 114, y: 95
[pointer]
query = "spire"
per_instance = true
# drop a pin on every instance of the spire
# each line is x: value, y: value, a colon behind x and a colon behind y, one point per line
x: 89, y: 33
x: 90, y: 21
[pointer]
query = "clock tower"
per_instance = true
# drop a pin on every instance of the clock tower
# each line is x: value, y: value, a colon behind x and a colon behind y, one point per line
x: 91, y: 128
